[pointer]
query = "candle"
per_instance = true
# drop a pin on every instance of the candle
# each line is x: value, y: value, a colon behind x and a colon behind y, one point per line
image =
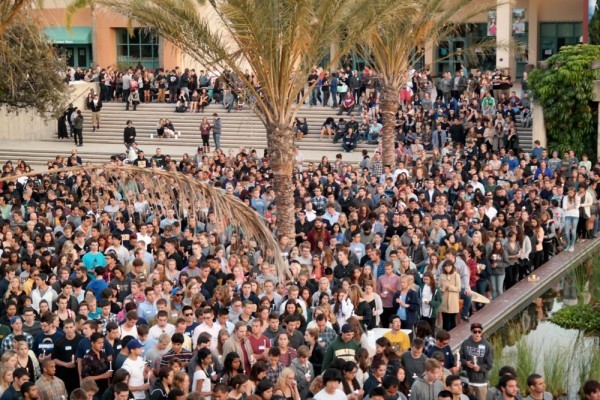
x: 151, y: 136
x: 110, y: 365
x: 73, y: 358
x: 44, y: 354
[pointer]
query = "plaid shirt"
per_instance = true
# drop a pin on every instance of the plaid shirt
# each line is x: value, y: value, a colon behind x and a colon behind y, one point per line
x: 92, y: 365
x: 7, y: 342
x: 327, y: 336
x: 51, y: 389
x: 273, y: 374
x: 105, y: 320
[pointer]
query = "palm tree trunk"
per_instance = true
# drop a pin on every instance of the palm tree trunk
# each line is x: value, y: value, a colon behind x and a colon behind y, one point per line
x: 389, y: 108
x: 94, y: 57
x: 280, y: 145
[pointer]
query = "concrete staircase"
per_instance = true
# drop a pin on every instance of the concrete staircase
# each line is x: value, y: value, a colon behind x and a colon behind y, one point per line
x: 240, y: 128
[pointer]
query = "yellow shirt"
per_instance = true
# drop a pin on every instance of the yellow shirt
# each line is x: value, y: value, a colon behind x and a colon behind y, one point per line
x: 399, y: 340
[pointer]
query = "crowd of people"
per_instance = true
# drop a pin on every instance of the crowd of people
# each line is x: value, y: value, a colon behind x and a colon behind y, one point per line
x: 106, y: 295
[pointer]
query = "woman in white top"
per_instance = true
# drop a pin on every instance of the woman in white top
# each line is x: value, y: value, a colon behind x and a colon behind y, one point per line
x: 586, y: 201
x: 343, y: 308
x: 201, y: 382
x: 571, y: 207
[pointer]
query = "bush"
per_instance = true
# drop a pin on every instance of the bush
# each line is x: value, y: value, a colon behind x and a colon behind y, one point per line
x: 565, y: 91
x: 584, y: 317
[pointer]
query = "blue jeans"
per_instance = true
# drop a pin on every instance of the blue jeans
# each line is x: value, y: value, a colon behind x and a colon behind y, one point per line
x: 372, y: 138
x: 497, y: 285
x: 466, y: 308
x: 571, y: 230
x: 314, y: 95
x: 217, y: 139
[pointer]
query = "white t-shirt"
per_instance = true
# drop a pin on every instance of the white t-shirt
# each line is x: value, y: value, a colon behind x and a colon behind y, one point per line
x: 156, y: 331
x: 323, y: 395
x: 214, y: 335
x: 136, y: 375
x: 131, y: 332
x: 200, y: 374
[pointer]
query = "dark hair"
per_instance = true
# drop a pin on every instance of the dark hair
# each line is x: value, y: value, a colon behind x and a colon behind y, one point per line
x: 590, y: 387
x: 238, y: 380
x: 504, y: 379
x: 445, y: 394
x: 121, y: 387
x: 26, y: 387
x: 96, y: 336
x: 389, y: 381
x: 175, y: 393
x: 378, y: 391
x: 450, y: 379
x: 331, y: 374
x: 263, y: 386
x: 227, y: 364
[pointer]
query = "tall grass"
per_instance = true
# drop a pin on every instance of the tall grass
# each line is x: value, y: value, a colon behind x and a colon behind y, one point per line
x: 499, y: 360
x: 526, y: 361
x: 557, y: 366
x: 589, y: 362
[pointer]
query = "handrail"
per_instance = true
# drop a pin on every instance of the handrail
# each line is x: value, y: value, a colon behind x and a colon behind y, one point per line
x: 517, y: 298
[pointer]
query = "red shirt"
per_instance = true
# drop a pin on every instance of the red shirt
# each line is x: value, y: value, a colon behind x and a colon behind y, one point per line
x: 260, y: 345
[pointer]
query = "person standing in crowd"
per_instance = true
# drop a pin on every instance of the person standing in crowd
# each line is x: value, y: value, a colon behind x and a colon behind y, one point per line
x: 208, y: 306
x: 216, y: 129
x: 95, y: 106
x: 78, y: 128
x: 477, y: 359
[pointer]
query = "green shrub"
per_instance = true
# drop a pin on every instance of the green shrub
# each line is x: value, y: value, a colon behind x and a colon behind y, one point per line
x: 584, y: 317
x: 566, y: 89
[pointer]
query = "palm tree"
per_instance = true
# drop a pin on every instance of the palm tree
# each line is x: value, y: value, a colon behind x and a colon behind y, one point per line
x: 395, y: 39
x: 72, y: 8
x: 280, y: 40
x: 186, y: 195
x: 9, y: 10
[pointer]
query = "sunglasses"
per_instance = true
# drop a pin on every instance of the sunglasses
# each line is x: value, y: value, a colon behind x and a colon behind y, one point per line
x: 477, y: 331
x: 188, y: 314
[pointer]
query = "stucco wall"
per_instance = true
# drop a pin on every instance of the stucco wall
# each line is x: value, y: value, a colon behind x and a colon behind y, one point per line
x: 27, y: 125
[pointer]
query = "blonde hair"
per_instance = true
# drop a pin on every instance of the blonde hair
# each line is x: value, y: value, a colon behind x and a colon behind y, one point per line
x: 280, y: 385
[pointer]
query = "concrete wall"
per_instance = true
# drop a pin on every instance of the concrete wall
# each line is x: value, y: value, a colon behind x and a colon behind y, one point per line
x: 27, y: 125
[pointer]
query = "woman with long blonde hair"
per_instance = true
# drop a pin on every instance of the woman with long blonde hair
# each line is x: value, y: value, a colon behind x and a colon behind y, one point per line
x: 192, y: 289
x: 287, y: 386
x: 6, y: 377
x: 362, y: 310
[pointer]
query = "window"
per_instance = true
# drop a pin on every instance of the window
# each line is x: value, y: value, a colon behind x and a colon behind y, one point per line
x: 138, y: 46
x: 554, y: 35
x: 449, y: 54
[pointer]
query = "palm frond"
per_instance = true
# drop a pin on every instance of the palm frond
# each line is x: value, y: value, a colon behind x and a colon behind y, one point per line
x: 73, y: 7
x: 280, y: 40
x: 186, y: 195
x: 396, y: 32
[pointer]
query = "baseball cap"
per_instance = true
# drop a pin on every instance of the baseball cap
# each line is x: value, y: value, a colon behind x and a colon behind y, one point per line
x: 476, y: 325
x: 175, y: 290
x: 134, y: 344
x: 347, y: 328
x: 15, y: 319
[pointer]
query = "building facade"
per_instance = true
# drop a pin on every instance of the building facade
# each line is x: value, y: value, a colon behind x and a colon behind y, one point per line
x: 539, y: 27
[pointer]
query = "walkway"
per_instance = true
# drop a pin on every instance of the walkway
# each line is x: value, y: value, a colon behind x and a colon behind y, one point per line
x: 514, y: 300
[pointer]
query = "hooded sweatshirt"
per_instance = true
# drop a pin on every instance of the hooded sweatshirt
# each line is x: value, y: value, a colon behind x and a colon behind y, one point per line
x: 423, y: 390
x: 485, y: 359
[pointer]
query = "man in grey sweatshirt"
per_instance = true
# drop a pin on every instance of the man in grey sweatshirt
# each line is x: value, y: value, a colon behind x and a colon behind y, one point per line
x: 429, y: 385
x: 477, y: 359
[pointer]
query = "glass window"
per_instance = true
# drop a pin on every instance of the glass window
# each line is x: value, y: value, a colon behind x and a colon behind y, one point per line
x: 147, y: 51
x: 548, y: 29
x: 140, y: 45
x: 565, y: 30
